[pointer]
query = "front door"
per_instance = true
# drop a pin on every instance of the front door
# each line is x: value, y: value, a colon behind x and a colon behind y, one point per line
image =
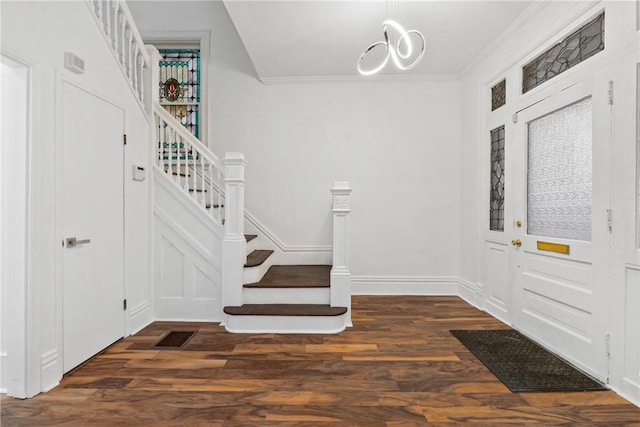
x: 92, y: 224
x: 560, y: 229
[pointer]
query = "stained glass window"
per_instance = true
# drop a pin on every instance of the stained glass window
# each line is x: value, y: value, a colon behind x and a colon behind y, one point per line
x: 180, y: 86
x: 575, y: 48
x: 496, y: 195
x: 499, y: 95
x: 559, y: 179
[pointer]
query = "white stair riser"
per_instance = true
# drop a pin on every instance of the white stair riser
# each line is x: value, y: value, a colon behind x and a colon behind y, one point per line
x: 253, y: 245
x: 286, y: 296
x: 286, y: 324
x: 254, y: 274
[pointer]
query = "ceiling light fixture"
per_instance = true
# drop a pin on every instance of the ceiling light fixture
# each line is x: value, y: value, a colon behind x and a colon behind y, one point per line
x: 394, y: 51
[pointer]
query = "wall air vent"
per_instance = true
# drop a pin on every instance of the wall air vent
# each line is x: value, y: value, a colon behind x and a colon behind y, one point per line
x: 73, y: 63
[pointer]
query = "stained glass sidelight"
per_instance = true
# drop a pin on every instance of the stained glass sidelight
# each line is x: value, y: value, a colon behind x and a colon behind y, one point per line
x: 499, y: 95
x: 575, y: 48
x: 180, y: 86
x: 559, y: 179
x: 496, y: 195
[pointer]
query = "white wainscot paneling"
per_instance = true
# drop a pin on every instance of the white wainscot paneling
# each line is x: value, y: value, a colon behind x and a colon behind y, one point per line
x: 557, y: 293
x: 187, y: 257
x: 631, y: 379
x: 171, y: 263
x: 497, y: 287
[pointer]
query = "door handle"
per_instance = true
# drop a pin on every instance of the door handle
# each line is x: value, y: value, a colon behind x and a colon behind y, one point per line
x: 516, y: 242
x: 72, y: 242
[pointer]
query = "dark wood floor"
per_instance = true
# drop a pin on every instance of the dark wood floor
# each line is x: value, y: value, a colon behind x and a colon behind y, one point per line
x: 398, y: 366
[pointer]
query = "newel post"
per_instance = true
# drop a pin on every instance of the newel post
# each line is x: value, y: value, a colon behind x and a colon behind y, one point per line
x: 234, y: 245
x: 340, y: 274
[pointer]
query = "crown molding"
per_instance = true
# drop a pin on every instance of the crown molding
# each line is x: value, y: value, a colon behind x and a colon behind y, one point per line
x: 410, y: 78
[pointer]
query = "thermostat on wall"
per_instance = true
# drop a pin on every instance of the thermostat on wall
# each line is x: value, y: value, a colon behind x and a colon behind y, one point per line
x: 139, y: 173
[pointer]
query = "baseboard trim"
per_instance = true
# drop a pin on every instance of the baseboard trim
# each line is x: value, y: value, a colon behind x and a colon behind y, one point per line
x: 140, y: 316
x: 468, y: 291
x: 50, y: 370
x: 404, y: 285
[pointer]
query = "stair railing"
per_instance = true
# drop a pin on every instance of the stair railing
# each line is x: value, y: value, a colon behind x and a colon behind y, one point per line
x: 186, y: 161
x: 118, y: 27
x: 340, y: 273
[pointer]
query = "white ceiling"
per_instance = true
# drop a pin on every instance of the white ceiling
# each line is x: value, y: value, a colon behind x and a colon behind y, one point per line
x: 324, y: 39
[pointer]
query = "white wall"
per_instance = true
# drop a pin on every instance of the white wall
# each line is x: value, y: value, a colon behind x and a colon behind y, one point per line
x: 39, y: 33
x: 544, y: 25
x: 397, y: 143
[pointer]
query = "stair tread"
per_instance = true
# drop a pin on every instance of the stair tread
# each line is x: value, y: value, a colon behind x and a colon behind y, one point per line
x: 257, y: 257
x: 295, y: 276
x: 285, y: 310
x: 250, y: 237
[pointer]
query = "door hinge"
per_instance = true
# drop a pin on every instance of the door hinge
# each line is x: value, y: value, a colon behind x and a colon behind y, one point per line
x: 607, y: 345
x: 124, y: 139
x: 610, y: 92
x: 609, y: 219
x: 124, y: 304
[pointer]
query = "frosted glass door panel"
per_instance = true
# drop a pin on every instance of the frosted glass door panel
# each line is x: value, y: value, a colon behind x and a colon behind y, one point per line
x: 559, y: 179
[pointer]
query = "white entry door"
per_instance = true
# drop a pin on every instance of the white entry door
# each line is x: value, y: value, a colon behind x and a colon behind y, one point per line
x: 561, y: 235
x: 92, y: 214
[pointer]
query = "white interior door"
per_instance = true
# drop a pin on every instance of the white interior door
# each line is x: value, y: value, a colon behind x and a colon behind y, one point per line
x: 562, y: 245
x: 92, y: 213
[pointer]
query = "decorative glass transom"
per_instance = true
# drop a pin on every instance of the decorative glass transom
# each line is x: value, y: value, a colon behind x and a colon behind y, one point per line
x: 575, y: 48
x: 559, y: 178
x: 499, y: 95
x: 496, y: 194
x: 180, y: 86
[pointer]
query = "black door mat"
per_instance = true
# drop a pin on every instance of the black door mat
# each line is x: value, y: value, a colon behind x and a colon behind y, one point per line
x: 175, y: 339
x: 523, y: 365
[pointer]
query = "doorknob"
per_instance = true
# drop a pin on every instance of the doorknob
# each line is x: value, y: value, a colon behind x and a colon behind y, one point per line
x: 72, y: 242
x: 516, y: 242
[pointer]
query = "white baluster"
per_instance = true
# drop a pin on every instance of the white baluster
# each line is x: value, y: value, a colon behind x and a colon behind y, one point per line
x: 194, y: 180
x: 98, y: 5
x: 114, y: 14
x: 134, y: 69
x: 219, y: 183
x: 129, y: 61
x: 107, y: 19
x: 141, y: 77
x: 185, y: 168
x: 160, y: 144
x: 211, y: 190
x: 203, y: 186
x: 123, y: 34
x: 167, y: 137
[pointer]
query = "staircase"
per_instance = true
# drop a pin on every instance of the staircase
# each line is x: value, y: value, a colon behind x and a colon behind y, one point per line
x: 199, y: 216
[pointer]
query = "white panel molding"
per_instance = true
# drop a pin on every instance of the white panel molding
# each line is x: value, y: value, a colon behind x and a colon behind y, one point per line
x: 140, y: 316
x: 50, y: 363
x: 179, y: 230
x: 404, y: 285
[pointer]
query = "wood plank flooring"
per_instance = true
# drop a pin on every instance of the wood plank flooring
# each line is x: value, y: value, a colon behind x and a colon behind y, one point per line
x: 398, y: 366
